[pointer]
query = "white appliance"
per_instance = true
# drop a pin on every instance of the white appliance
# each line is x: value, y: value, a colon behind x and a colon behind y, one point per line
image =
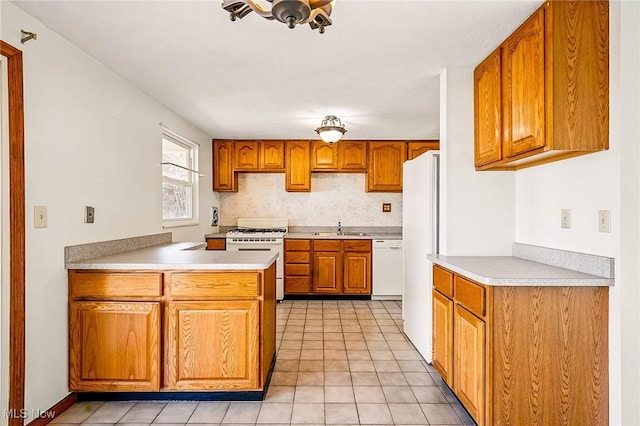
x: 420, y: 182
x: 262, y: 235
x: 387, y: 270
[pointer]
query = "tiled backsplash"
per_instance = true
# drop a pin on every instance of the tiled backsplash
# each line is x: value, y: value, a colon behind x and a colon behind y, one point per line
x: 334, y: 197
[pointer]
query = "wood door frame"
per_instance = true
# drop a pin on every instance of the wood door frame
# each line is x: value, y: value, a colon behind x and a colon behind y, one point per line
x: 16, y: 231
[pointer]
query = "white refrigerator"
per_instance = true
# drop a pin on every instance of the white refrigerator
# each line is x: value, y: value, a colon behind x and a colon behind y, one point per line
x: 420, y: 195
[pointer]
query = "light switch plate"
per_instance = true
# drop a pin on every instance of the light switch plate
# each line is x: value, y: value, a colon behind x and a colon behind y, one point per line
x: 89, y: 214
x: 565, y: 218
x: 39, y: 216
x: 604, y: 220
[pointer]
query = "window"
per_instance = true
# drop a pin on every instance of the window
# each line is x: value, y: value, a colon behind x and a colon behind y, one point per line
x: 179, y: 180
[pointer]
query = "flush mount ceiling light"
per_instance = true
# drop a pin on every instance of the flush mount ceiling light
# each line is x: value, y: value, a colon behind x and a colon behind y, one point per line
x: 291, y: 12
x: 331, y: 129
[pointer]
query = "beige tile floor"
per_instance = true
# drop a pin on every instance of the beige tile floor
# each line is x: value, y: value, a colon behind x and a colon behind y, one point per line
x: 339, y: 363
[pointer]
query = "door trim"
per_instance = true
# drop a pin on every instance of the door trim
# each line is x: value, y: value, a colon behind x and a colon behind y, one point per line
x: 17, y: 231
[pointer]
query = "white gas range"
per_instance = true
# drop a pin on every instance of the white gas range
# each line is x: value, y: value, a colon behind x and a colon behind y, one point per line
x: 262, y: 235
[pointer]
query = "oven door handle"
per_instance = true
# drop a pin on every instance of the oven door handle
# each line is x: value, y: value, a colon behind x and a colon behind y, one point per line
x: 254, y: 249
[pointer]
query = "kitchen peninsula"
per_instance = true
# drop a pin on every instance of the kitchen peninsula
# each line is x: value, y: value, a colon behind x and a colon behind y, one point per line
x: 524, y: 339
x: 171, y: 320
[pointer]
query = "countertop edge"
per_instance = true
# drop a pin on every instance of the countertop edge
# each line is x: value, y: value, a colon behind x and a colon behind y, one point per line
x: 193, y: 257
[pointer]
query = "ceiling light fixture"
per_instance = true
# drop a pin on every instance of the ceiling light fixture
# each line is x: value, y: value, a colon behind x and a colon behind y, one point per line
x: 331, y: 129
x: 291, y: 12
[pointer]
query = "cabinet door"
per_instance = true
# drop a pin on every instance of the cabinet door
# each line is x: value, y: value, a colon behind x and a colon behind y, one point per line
x: 212, y: 345
x: 469, y: 362
x: 114, y: 346
x: 487, y: 85
x: 353, y: 156
x: 324, y: 156
x: 523, y: 83
x: 384, y: 172
x: 298, y: 166
x: 443, y: 336
x: 246, y: 155
x: 414, y: 149
x: 216, y: 244
x: 327, y: 272
x: 272, y: 156
x: 357, y: 273
x: 224, y: 178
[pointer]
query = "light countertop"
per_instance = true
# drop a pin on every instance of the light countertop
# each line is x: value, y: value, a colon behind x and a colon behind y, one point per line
x: 515, y: 271
x: 187, y: 255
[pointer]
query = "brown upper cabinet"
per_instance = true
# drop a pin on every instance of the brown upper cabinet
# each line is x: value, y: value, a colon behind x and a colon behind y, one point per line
x: 246, y: 155
x: 488, y: 110
x: 343, y: 156
x: 271, y: 156
x: 384, y: 173
x: 230, y: 157
x: 353, y: 156
x: 224, y: 177
x: 543, y: 95
x: 324, y: 156
x: 298, y: 166
x: 414, y: 149
x: 381, y: 160
x: 263, y: 156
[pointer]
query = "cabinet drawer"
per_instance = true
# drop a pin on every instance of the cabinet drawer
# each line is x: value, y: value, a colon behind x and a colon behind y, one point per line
x: 297, y: 284
x: 297, y: 257
x: 216, y: 244
x: 99, y: 285
x: 297, y: 245
x: 470, y: 295
x: 326, y: 245
x: 193, y: 285
x: 443, y: 281
x: 356, y: 245
x: 297, y: 269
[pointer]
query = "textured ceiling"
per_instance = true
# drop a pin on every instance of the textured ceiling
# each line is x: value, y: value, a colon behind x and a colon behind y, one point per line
x: 377, y: 67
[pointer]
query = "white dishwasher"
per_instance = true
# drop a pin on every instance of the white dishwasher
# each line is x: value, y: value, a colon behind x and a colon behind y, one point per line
x: 387, y: 270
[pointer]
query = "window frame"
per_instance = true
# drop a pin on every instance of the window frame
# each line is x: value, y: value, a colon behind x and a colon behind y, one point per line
x: 193, y: 148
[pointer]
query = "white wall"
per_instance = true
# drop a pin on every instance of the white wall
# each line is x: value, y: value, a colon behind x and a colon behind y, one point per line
x: 476, y: 208
x: 334, y: 197
x: 91, y: 138
x: 607, y: 180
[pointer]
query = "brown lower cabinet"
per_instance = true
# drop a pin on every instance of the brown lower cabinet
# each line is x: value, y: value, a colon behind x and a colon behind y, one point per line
x: 522, y: 355
x: 171, y: 330
x: 326, y: 266
x: 216, y: 243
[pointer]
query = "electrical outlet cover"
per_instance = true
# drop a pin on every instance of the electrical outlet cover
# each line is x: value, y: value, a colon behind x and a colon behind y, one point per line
x: 89, y: 214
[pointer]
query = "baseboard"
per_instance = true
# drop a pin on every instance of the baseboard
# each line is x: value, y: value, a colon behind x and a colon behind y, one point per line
x: 53, y: 412
x: 174, y: 396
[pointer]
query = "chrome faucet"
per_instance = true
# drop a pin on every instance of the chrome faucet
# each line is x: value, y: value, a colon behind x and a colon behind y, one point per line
x: 339, y: 232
